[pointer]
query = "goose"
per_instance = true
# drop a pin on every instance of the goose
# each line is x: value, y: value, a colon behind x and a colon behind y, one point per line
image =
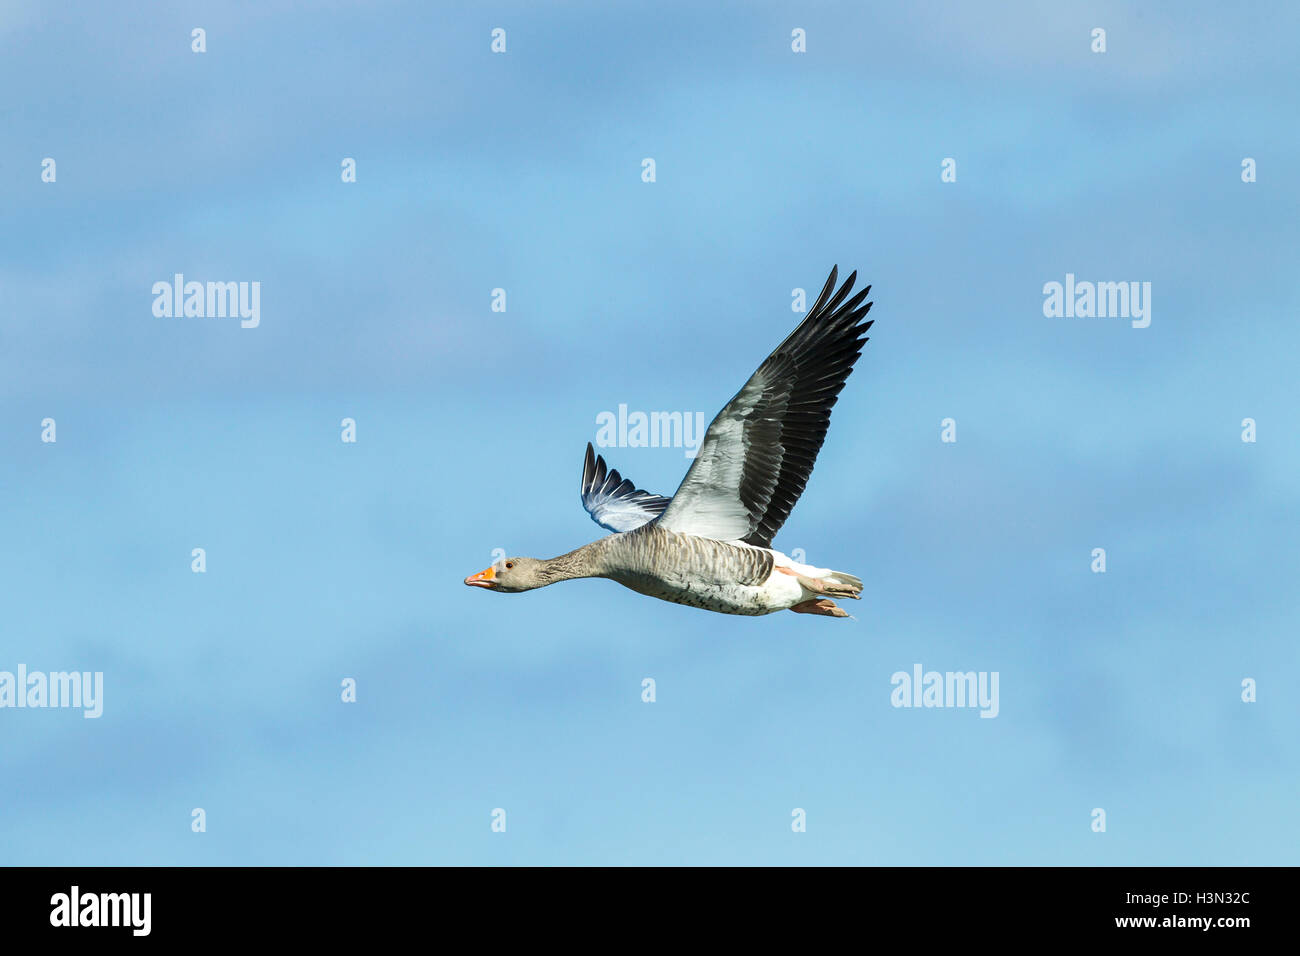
x: 710, y: 545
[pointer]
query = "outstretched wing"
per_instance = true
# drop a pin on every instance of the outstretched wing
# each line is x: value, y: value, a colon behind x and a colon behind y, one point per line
x: 759, y: 451
x: 614, y: 502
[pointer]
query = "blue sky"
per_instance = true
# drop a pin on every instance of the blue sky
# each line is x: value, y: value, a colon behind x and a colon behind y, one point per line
x: 522, y: 171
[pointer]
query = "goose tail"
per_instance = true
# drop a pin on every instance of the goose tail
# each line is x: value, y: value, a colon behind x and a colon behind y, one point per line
x: 842, y: 584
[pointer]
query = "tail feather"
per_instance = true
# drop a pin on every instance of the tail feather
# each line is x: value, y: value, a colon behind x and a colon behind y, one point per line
x: 847, y: 580
x: 834, y: 584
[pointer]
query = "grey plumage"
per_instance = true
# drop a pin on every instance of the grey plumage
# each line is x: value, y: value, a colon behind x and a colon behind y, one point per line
x: 709, y: 546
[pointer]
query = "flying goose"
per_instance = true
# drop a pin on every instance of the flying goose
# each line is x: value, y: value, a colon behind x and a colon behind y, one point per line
x: 710, y: 544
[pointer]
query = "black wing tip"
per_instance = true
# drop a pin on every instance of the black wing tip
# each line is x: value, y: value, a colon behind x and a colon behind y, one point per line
x: 593, y: 471
x: 831, y: 307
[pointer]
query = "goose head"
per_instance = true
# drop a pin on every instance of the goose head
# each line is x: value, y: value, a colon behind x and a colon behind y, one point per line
x: 512, y: 575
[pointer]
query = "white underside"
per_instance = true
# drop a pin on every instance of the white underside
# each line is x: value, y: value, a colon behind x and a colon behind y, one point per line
x: 781, y: 590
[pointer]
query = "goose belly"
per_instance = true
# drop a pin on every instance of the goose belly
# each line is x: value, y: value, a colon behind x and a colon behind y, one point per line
x: 701, y: 572
x: 779, y: 592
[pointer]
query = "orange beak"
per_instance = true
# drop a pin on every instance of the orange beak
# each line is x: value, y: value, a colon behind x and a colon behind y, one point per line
x: 483, y: 579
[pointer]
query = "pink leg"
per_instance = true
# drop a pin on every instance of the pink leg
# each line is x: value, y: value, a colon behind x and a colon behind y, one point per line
x: 820, y: 606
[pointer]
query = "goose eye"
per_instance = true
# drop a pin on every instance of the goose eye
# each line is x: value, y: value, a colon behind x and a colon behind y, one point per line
x: 509, y: 565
